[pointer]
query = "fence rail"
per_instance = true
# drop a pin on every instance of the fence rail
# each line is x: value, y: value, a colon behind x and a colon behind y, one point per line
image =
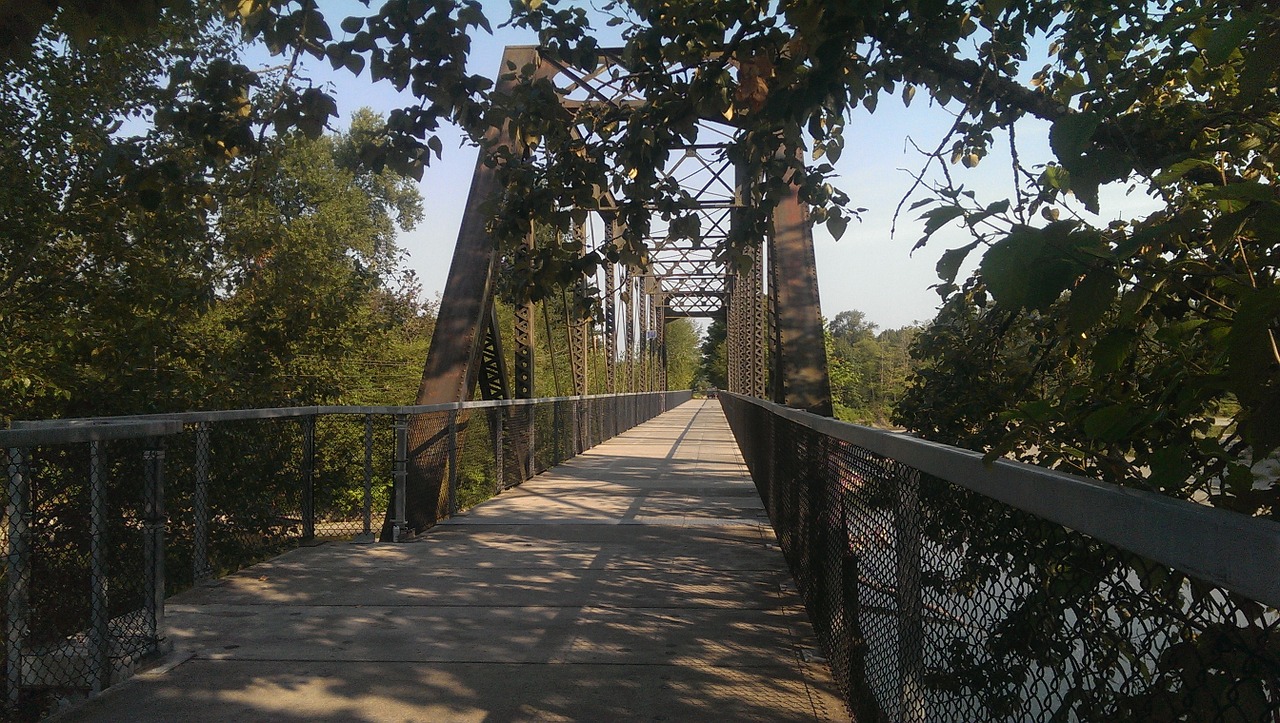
x: 946, y: 589
x: 105, y: 516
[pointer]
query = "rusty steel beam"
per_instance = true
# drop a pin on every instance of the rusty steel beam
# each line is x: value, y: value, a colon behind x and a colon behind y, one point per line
x: 800, y: 352
x: 452, y: 368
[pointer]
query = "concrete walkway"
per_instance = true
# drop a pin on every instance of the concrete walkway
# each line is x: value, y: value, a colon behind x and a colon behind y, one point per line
x: 639, y: 581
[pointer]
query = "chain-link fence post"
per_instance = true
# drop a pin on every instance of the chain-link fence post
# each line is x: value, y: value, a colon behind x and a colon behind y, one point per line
x: 910, y: 615
x: 307, y: 472
x: 453, y: 462
x: 366, y: 534
x: 400, y: 475
x: 17, y: 572
x: 99, y: 624
x: 153, y: 524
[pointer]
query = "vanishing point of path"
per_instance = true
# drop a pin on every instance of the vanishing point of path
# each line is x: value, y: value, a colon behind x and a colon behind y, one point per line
x: 638, y: 581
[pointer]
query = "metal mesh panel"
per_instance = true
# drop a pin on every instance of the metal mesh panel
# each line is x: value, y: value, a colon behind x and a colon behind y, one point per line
x: 255, y: 491
x: 78, y: 570
x: 516, y: 442
x: 477, y: 477
x: 339, y: 474
x: 428, y: 447
x: 936, y: 603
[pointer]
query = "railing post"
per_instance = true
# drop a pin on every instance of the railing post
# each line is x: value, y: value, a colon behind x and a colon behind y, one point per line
x: 201, y: 569
x: 400, y: 474
x: 453, y: 462
x: 366, y: 535
x: 99, y: 631
x: 910, y: 619
x: 17, y: 572
x: 153, y: 524
x: 308, y: 477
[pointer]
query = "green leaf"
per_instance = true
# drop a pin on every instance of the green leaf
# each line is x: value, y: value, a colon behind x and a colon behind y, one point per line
x: 1111, y: 351
x: 837, y: 225
x: 1090, y: 300
x: 936, y: 218
x: 1251, y: 362
x: 1242, y: 191
x: 1170, y: 467
x: 1025, y: 270
x: 1180, y: 169
x: 949, y: 265
x: 1259, y: 69
x: 1071, y: 133
x: 1227, y: 38
x: 1109, y: 424
x: 352, y: 24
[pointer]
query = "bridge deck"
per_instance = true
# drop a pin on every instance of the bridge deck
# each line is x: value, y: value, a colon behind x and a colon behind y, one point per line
x: 637, y: 581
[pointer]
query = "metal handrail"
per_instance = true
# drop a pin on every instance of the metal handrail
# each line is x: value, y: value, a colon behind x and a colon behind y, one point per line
x: 239, y: 415
x: 35, y: 434
x: 1223, y: 547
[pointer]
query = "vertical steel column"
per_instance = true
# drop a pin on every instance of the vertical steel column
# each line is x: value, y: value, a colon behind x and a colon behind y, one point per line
x: 99, y: 628
x: 17, y: 568
x: 610, y: 329
x: 451, y: 367
x: 627, y: 323
x: 733, y: 334
x: 576, y: 329
x: 308, y: 474
x: 201, y: 568
x: 524, y: 351
x: 801, y: 351
x: 400, y: 473
x: 524, y: 378
x: 366, y: 534
x: 774, y: 384
x: 642, y: 338
x: 758, y: 323
x: 735, y: 306
x: 660, y: 326
x: 153, y: 524
x: 651, y: 334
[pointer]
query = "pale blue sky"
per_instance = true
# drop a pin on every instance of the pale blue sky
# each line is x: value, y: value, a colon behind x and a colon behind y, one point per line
x: 867, y: 270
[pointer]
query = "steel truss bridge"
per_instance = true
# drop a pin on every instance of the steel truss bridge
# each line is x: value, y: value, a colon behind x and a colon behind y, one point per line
x: 935, y: 586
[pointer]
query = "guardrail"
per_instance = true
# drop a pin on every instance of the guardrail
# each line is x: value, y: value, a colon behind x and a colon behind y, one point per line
x: 105, y: 516
x: 946, y: 589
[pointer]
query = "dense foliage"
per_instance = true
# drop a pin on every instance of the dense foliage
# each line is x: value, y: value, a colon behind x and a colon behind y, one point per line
x: 135, y: 276
x: 868, y: 370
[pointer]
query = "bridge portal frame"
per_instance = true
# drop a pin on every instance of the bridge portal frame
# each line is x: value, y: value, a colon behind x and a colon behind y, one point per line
x: 775, y: 335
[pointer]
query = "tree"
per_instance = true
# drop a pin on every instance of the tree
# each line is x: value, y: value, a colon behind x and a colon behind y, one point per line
x: 93, y: 282
x: 868, y: 371
x: 715, y: 361
x: 682, y: 353
x: 307, y: 239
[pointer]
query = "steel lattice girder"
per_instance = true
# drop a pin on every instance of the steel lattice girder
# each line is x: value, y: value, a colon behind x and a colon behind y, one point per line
x: 687, y: 276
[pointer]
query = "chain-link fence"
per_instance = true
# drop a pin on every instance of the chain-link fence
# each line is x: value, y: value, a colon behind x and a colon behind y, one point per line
x: 937, y: 601
x: 83, y: 552
x: 103, y: 518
